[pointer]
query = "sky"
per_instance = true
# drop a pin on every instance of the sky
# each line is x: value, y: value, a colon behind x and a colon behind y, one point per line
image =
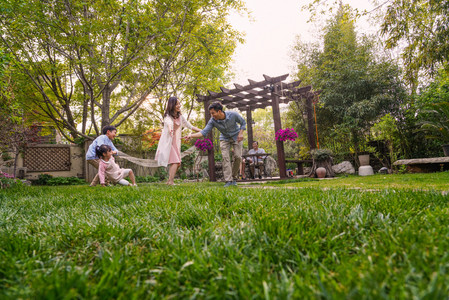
x: 272, y: 33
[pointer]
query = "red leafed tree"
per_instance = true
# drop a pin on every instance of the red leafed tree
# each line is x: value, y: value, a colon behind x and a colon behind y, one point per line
x: 150, y: 138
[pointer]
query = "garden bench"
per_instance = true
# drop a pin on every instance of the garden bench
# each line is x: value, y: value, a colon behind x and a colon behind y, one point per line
x: 299, y: 163
x: 424, y: 165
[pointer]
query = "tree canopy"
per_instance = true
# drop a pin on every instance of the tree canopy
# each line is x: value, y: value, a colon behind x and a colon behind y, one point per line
x: 423, y: 27
x: 95, y: 63
x: 356, y: 87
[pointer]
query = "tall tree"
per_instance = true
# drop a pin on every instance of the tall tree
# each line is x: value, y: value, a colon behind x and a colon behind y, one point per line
x: 357, y: 87
x: 16, y: 132
x: 422, y: 25
x: 95, y: 63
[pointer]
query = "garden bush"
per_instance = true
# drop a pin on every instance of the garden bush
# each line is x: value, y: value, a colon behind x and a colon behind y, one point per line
x: 8, y: 180
x: 47, y: 179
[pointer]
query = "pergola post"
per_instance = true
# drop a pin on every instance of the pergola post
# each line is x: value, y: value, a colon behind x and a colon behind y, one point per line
x: 249, y: 127
x: 258, y: 94
x: 278, y: 126
x: 210, y: 153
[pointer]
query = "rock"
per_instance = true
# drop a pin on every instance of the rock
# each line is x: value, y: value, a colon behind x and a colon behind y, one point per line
x: 26, y: 182
x: 383, y: 170
x: 270, y: 165
x: 344, y: 167
x: 307, y: 170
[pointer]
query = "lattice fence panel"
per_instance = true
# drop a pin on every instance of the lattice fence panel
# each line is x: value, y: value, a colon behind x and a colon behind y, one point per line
x: 46, y: 159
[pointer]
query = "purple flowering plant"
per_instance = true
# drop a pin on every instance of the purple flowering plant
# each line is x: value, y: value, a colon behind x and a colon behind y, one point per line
x: 5, y: 175
x: 6, y: 180
x: 204, y: 144
x: 286, y: 134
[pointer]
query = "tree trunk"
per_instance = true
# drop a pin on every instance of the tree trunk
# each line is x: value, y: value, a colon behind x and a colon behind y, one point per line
x: 327, y: 164
x: 16, y: 157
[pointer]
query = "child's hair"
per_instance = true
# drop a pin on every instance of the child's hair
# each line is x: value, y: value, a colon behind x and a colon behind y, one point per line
x: 101, y: 150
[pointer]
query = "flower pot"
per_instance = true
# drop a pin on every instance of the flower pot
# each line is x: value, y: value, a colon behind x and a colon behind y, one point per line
x: 364, y: 160
x: 445, y: 149
x: 320, y: 172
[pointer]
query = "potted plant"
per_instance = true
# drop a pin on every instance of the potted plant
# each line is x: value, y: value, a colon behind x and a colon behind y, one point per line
x: 322, y: 158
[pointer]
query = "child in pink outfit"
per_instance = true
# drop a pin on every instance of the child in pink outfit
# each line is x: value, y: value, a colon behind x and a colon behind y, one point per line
x: 108, y: 168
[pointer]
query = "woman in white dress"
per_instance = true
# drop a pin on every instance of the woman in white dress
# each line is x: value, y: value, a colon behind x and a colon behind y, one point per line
x: 169, y: 148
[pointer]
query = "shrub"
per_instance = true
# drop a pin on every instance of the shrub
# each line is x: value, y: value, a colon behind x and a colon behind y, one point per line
x: 47, y: 179
x: 321, y: 154
x: 7, y: 180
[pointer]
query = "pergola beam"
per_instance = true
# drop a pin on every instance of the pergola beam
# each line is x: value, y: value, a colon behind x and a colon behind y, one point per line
x: 259, y: 94
x: 239, y: 88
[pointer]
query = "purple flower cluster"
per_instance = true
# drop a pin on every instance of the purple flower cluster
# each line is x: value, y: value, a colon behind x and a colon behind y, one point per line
x: 204, y: 145
x: 6, y: 175
x: 286, y: 134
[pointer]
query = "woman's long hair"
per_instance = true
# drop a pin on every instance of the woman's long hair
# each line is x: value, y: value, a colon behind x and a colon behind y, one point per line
x: 171, y: 106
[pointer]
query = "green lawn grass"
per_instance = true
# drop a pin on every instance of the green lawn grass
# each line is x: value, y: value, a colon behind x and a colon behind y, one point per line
x: 423, y: 181
x: 200, y: 240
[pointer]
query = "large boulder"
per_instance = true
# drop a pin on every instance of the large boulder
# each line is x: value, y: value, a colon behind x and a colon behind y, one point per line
x: 344, y: 167
x: 270, y: 166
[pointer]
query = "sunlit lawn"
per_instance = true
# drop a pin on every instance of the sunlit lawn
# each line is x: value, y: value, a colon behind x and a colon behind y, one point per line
x: 200, y: 240
x: 428, y: 181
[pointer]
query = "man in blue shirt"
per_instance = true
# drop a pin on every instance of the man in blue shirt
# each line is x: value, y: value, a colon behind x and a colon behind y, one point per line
x: 231, y: 126
x: 109, y: 133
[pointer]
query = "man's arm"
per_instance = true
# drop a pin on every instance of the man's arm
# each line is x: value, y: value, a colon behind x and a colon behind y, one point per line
x: 203, y: 132
x: 242, y: 122
x: 194, y: 135
x: 109, y: 142
x: 240, y: 136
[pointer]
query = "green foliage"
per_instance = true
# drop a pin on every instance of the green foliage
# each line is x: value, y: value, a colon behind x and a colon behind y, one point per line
x: 188, y: 163
x: 47, y: 179
x: 203, y: 241
x: 357, y: 87
x: 422, y: 26
x: 8, y: 181
x: 218, y: 156
x: 386, y: 131
x: 436, y: 123
x: 433, y: 103
x: 321, y: 154
x: 97, y: 62
x: 162, y: 173
x: 263, y: 131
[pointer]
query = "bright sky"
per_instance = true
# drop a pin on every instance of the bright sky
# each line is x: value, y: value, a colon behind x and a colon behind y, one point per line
x: 272, y: 33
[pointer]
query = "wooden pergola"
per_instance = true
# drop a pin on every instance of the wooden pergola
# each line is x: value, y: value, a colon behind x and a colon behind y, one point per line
x: 259, y: 94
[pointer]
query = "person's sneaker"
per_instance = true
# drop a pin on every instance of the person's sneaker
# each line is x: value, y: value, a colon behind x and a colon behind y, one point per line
x: 230, y: 183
